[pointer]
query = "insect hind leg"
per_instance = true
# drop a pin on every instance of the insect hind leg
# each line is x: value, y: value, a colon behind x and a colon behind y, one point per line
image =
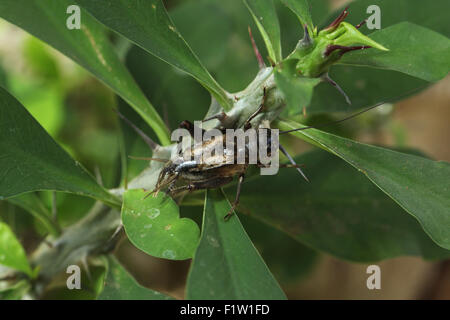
x: 236, y: 200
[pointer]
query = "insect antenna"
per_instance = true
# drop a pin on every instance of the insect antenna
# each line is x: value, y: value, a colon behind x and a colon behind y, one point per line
x: 292, y: 161
x: 326, y: 78
x: 152, y: 144
x: 326, y: 124
x: 149, y: 159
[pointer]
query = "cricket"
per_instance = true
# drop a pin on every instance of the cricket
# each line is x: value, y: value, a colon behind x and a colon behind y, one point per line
x: 183, y: 174
x: 180, y: 176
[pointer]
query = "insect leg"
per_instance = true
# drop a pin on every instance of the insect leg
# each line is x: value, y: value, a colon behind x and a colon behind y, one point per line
x: 152, y: 144
x: 189, y: 187
x: 189, y: 126
x: 290, y: 165
x: 292, y: 161
x: 236, y: 200
x: 361, y: 24
x: 327, y: 78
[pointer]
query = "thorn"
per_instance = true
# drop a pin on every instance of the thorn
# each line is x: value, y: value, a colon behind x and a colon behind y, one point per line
x: 116, y: 232
x: 361, y: 24
x: 306, y: 38
x: 327, y: 78
x: 48, y: 243
x: 152, y: 144
x: 220, y: 116
x: 261, y: 63
x: 344, y: 49
x: 304, y: 111
x: 338, y: 20
x: 292, y: 161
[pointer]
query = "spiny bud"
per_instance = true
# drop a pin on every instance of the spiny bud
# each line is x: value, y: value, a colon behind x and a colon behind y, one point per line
x: 317, y: 51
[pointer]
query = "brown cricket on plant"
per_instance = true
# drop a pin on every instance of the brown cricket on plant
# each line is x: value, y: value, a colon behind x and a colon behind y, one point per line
x: 178, y: 177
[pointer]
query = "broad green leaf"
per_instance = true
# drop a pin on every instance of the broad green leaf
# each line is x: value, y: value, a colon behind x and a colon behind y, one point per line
x: 275, y: 246
x: 12, y: 253
x: 147, y: 23
x: 154, y: 225
x: 339, y: 212
x: 31, y: 202
x: 413, y: 50
x: 432, y: 15
x: 298, y: 91
x: 265, y: 16
x: 418, y: 185
x: 157, y: 79
x: 301, y: 9
x: 365, y: 86
x: 209, y: 39
x: 31, y: 160
x: 120, y: 285
x: 285, y: 256
x: 88, y: 46
x: 226, y: 265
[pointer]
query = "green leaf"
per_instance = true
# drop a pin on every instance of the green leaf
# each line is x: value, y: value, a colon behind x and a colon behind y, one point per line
x: 365, y: 86
x: 418, y: 185
x: 154, y: 226
x: 285, y: 256
x: 87, y: 46
x: 265, y: 16
x: 298, y: 91
x: 31, y: 160
x: 428, y: 14
x: 209, y: 39
x: 226, y: 264
x: 12, y: 253
x: 301, y: 9
x: 414, y: 50
x: 16, y: 291
x: 34, y: 205
x: 148, y: 24
x: 339, y: 212
x: 120, y: 285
